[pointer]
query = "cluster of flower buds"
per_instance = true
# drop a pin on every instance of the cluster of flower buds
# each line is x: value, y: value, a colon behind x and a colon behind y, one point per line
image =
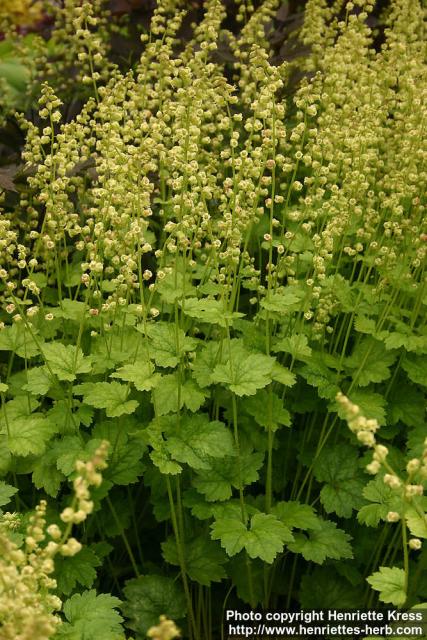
x: 82, y: 506
x: 27, y: 606
x: 423, y: 463
x: 365, y: 430
x: 165, y: 630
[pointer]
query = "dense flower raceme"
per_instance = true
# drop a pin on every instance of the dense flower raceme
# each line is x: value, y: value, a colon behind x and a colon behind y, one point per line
x: 21, y: 12
x: 200, y: 261
x: 28, y: 606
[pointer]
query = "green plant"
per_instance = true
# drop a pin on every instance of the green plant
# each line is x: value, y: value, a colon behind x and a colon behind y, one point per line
x: 199, y: 264
x: 28, y: 606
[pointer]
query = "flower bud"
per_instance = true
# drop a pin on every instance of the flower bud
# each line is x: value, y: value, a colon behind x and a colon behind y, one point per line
x: 393, y: 516
x: 415, y: 544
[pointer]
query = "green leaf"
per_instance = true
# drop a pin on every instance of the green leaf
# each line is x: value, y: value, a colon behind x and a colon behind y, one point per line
x: 92, y: 617
x: 252, y: 334
x: 216, y: 482
x: 232, y: 509
x: 70, y: 309
x: 160, y: 455
x: 192, y: 396
x: 282, y: 301
x: 381, y: 497
x: 118, y: 348
x: 199, y: 507
x: 338, y: 467
x: 167, y: 345
x: 209, y: 311
x: 111, y: 396
x: 204, y: 364
x: 371, y: 405
x: 416, y: 368
x: 264, y: 539
x: 203, y: 559
x: 403, y: 338
x: 244, y: 372
x: 101, y: 549
x: 66, y: 361
x: 323, y: 588
x: 232, y: 534
x: 72, y: 274
x: 362, y: 324
x: 6, y: 492
x: 196, y: 440
x: 296, y: 345
x: 46, y: 475
x: 125, y: 457
x: 16, y: 74
x: 318, y: 375
x: 149, y: 597
x: 394, y: 340
x: 417, y: 524
x: 283, y: 375
x: 164, y: 463
x: 296, y: 515
x: 268, y: 410
x: 175, y: 286
x: 240, y: 573
x: 5, y: 455
x: 417, y: 344
x: 140, y: 373
x: 415, y: 441
x: 29, y: 435
x: 39, y: 381
x: 70, y: 449
x: 77, y: 569
x: 84, y: 414
x: 407, y: 404
x: 170, y: 396
x: 322, y: 543
x: 341, y: 289
x: 18, y: 339
x: 26, y: 432
x: 267, y: 537
x: 390, y: 582
x: 370, y: 362
x: 67, y: 422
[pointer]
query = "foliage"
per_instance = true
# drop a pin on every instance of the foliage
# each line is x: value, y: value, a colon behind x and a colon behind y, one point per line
x: 215, y: 260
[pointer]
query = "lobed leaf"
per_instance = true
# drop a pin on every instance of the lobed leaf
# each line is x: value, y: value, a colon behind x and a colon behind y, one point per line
x: 66, y: 361
x: 243, y: 372
x: 92, y: 617
x: 325, y: 542
x: 390, y: 582
x: 264, y: 539
x: 150, y: 596
x: 111, y: 396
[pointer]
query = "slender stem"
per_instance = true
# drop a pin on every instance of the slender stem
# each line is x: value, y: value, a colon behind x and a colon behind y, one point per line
x: 181, y: 558
x: 405, y: 555
x: 123, y: 536
x: 241, y: 496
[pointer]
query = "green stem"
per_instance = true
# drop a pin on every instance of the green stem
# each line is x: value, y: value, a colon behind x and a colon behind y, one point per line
x: 241, y: 496
x: 124, y: 537
x: 405, y: 554
x: 181, y: 558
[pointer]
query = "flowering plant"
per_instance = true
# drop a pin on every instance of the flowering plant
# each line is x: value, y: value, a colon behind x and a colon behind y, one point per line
x: 217, y: 267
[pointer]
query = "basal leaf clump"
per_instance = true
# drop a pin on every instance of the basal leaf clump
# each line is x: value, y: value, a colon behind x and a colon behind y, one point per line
x: 216, y: 261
